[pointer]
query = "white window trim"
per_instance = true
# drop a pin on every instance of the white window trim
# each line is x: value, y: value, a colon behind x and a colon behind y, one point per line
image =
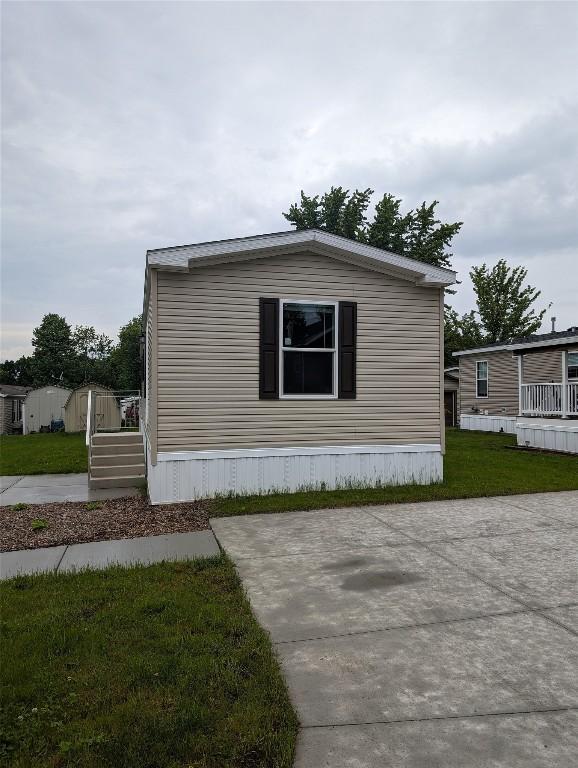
x: 334, y: 350
x: 487, y: 380
x: 571, y: 379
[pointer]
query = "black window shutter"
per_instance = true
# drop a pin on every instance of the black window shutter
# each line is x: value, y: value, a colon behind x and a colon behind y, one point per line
x: 268, y: 349
x: 347, y: 349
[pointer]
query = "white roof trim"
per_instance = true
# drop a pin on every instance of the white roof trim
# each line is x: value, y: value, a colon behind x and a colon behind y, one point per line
x: 548, y: 343
x: 261, y: 246
x: 561, y: 340
x: 476, y: 350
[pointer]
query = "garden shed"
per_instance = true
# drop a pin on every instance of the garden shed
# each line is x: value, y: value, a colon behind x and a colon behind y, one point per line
x: 42, y: 407
x: 107, y: 408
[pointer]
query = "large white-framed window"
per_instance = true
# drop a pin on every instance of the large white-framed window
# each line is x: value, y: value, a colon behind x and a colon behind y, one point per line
x: 482, y: 377
x: 308, y: 330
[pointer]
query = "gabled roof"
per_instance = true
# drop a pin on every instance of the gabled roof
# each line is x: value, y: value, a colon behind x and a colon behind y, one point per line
x: 536, y: 340
x: 185, y: 257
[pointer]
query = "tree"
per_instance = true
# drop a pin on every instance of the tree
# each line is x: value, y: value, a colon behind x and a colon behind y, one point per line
x: 72, y: 357
x: 504, y: 306
x: 53, y: 351
x: 126, y: 356
x: 417, y: 233
x: 19, y: 372
x: 92, y: 353
x: 463, y: 332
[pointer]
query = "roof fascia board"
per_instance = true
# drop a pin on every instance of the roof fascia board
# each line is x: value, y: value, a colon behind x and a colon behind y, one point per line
x: 420, y: 270
x: 561, y: 342
x: 477, y: 350
x: 537, y: 345
x: 266, y: 245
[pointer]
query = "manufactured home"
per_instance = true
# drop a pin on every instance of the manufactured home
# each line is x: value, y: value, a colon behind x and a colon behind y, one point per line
x: 286, y: 361
x: 43, y: 408
x: 527, y: 386
x: 11, y: 399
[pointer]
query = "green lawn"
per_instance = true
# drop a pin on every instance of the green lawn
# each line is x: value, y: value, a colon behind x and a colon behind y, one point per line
x: 148, y: 667
x: 476, y: 464
x: 42, y: 453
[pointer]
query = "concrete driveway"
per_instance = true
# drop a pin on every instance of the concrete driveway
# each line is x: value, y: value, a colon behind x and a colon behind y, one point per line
x: 429, y: 635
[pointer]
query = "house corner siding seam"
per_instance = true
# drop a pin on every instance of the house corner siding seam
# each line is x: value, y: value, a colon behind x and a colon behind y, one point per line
x: 153, y: 394
x: 442, y: 353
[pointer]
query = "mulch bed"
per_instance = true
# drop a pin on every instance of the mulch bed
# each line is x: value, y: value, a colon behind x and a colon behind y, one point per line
x: 74, y: 522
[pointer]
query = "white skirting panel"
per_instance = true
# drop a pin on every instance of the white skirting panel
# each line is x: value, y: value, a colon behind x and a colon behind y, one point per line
x: 482, y: 423
x: 204, y: 474
x: 549, y: 437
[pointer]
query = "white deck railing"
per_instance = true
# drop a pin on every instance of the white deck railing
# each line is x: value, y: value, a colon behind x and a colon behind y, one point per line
x: 112, y: 412
x: 549, y: 400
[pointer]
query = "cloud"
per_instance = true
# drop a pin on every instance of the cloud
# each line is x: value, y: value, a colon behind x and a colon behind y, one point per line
x: 130, y: 126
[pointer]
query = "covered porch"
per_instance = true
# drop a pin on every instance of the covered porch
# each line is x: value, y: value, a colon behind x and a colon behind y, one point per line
x: 552, y: 398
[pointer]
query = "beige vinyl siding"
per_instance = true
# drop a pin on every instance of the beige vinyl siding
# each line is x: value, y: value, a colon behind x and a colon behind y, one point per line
x: 208, y: 358
x: 148, y: 361
x: 7, y: 425
x: 543, y: 367
x: 539, y: 367
x: 5, y: 415
x: 502, y: 384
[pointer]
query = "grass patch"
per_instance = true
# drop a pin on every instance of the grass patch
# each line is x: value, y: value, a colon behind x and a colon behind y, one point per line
x: 39, y: 524
x: 476, y: 464
x: 149, y: 667
x: 43, y: 453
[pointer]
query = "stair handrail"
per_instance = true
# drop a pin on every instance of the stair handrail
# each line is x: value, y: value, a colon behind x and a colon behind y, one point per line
x: 89, y: 417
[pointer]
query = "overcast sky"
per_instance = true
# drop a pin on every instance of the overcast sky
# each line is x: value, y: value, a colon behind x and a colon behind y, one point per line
x: 130, y: 126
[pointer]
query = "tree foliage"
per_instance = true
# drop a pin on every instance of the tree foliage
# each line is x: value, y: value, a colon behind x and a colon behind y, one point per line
x: 71, y: 357
x: 416, y: 233
x: 460, y: 333
x: 504, y: 304
x: 504, y: 310
x: 52, y: 360
x: 126, y: 355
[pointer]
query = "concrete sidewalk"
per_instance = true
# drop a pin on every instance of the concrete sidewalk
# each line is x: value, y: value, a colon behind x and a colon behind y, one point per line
x: 101, y: 554
x: 44, y: 489
x: 422, y: 635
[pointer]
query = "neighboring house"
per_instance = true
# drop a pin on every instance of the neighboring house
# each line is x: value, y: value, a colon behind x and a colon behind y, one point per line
x: 451, y: 387
x: 294, y: 360
x: 106, y: 408
x: 533, y: 378
x: 42, y: 407
x: 11, y: 399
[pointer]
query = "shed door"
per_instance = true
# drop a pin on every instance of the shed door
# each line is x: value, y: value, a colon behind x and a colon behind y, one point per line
x: 83, y: 409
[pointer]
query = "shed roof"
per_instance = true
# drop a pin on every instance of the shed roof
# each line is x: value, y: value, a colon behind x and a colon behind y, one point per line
x: 87, y: 384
